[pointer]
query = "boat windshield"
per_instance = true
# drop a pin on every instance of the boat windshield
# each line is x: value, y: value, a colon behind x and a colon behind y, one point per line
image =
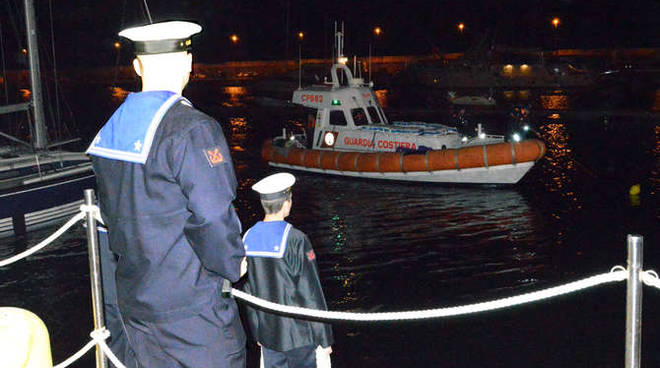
x: 337, y: 117
x: 373, y: 115
x: 359, y: 116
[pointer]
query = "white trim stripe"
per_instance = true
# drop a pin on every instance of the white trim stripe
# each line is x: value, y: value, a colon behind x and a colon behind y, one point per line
x: 140, y: 157
x: 285, y: 237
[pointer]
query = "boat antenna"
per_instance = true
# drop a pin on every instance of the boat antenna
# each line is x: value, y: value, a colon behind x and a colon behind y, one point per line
x: 339, y: 36
x: 146, y: 9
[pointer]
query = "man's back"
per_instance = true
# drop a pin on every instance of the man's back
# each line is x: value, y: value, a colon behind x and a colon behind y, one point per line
x: 170, y: 219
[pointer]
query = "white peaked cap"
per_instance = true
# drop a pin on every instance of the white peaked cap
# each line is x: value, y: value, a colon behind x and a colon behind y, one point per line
x: 173, y: 30
x: 161, y: 37
x: 274, y: 186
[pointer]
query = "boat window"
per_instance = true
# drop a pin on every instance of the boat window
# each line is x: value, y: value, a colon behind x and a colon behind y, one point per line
x: 337, y: 117
x: 373, y: 114
x: 359, y: 116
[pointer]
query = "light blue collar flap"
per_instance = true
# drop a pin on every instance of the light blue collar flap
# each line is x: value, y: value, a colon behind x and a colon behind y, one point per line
x: 129, y: 133
x: 267, y: 239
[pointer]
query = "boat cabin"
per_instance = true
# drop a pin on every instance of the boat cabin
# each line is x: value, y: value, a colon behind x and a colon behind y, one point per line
x: 345, y: 115
x: 344, y: 103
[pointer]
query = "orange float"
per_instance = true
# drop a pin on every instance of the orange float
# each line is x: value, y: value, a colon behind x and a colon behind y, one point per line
x: 490, y: 155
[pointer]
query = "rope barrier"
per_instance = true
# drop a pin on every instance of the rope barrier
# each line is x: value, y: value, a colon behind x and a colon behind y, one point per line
x: 617, y: 273
x: 614, y: 275
x: 45, y: 242
x: 94, y: 210
x: 651, y: 278
x: 98, y: 338
x: 84, y: 209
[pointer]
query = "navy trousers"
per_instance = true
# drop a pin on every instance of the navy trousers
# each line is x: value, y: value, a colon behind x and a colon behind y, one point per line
x: 117, y: 341
x: 214, y: 338
x: 303, y: 357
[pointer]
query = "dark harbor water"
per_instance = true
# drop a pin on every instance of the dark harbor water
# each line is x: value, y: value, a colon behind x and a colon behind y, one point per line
x: 393, y: 246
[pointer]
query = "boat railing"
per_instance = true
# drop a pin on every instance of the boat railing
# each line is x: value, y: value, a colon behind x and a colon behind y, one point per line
x: 634, y: 275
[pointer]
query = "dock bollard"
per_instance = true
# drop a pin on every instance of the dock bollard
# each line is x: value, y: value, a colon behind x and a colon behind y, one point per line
x: 634, y: 301
x: 95, y: 275
x: 24, y: 341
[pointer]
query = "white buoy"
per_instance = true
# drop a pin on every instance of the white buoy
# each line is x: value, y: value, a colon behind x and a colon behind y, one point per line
x: 24, y: 341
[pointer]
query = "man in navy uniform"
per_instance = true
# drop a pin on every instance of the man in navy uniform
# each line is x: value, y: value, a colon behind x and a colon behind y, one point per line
x: 282, y: 269
x: 166, y: 185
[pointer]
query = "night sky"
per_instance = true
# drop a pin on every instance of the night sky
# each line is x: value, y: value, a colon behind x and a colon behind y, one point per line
x: 85, y: 30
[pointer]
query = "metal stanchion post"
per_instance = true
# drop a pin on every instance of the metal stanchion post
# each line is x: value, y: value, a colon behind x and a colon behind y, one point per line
x: 634, y: 301
x: 95, y: 275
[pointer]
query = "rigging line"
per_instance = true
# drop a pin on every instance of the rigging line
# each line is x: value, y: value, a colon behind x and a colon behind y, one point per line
x: 55, y: 82
x: 4, y: 67
x: 117, y: 59
x: 12, y: 17
x: 146, y: 8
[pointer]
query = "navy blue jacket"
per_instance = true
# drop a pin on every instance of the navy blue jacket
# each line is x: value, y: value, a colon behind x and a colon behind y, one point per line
x: 171, y: 220
x: 287, y: 274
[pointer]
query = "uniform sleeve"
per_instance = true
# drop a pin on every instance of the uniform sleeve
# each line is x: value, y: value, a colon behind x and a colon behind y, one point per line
x: 305, y: 270
x: 202, y: 166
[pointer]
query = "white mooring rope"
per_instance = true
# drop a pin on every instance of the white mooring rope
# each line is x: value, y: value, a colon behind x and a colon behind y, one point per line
x: 614, y: 275
x: 617, y: 273
x: 650, y: 278
x: 84, y: 209
x: 98, y: 338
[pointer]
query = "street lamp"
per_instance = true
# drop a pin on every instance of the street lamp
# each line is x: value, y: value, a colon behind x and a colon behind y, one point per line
x: 461, y: 26
x: 555, y: 23
x: 377, y: 33
x: 301, y: 36
x: 233, y: 38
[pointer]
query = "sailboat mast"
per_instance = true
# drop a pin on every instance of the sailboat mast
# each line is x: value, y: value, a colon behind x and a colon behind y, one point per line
x: 40, y: 138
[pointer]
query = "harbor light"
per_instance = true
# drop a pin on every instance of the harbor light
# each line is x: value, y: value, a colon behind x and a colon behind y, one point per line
x: 117, y: 45
x: 516, y: 137
x: 24, y: 51
x: 482, y: 135
x: 233, y: 38
x: 555, y: 22
x: 377, y: 31
x: 461, y: 26
x: 342, y: 60
x: 526, y: 128
x: 301, y: 35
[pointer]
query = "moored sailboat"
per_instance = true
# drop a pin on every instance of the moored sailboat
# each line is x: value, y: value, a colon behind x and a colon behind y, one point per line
x: 39, y: 184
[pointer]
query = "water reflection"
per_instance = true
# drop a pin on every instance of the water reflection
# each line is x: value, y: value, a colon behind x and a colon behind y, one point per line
x: 236, y: 95
x: 555, y: 101
x: 560, y: 161
x: 239, y: 132
x: 366, y: 233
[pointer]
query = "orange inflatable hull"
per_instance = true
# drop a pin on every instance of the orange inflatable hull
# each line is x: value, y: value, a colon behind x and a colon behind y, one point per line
x: 505, y: 153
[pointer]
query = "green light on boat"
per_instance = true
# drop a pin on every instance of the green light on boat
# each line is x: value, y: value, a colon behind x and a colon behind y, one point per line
x: 336, y: 102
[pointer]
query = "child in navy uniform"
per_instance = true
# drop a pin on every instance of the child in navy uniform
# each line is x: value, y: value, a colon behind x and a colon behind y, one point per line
x: 282, y: 269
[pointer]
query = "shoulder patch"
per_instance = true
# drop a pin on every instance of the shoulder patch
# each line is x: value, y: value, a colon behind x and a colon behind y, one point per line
x: 213, y: 156
x: 310, y: 255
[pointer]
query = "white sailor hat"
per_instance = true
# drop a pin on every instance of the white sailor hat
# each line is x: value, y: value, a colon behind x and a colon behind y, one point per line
x: 274, y: 186
x: 159, y: 38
